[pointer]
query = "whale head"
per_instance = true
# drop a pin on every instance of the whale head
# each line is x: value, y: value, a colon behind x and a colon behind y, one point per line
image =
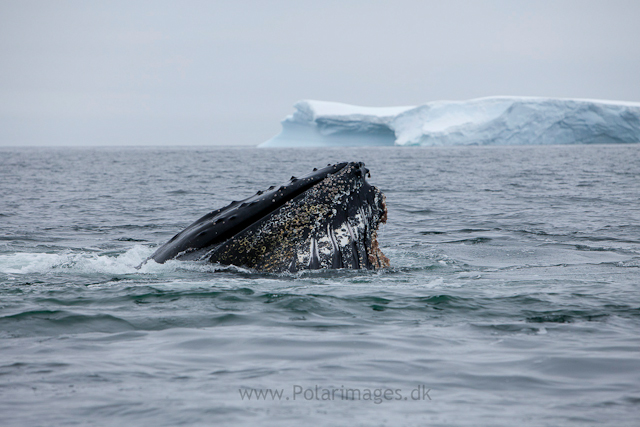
x: 327, y: 219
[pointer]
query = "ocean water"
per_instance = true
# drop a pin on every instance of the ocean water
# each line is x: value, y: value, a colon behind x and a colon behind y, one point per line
x: 513, y: 296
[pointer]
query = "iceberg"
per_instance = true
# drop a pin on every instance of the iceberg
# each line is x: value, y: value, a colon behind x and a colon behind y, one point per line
x: 482, y: 121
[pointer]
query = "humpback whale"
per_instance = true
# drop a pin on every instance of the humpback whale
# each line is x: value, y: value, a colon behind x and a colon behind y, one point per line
x: 326, y: 219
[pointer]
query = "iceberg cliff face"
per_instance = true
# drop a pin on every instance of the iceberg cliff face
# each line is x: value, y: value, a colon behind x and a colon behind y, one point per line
x: 318, y: 124
x: 484, y: 121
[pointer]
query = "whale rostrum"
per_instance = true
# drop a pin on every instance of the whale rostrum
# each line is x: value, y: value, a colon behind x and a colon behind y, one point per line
x: 327, y: 219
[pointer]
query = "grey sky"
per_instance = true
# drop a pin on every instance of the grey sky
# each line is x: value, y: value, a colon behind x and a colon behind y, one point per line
x: 226, y: 72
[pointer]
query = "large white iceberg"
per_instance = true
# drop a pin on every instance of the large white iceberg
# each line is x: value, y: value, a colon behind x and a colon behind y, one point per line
x: 483, y: 121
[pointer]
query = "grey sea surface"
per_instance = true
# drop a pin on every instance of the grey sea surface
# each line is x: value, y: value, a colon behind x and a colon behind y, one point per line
x: 513, y: 296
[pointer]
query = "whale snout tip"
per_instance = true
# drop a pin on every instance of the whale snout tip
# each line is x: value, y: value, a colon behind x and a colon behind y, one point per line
x: 360, y: 170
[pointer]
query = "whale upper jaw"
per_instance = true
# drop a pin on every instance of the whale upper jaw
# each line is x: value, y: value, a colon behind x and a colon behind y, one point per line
x: 327, y: 219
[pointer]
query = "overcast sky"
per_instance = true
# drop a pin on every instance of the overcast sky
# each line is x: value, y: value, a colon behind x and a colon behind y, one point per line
x: 226, y: 72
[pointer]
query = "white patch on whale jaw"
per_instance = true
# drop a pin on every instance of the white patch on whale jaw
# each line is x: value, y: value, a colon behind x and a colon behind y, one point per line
x: 345, y: 244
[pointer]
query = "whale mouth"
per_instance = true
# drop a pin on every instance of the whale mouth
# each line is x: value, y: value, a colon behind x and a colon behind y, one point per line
x: 326, y: 219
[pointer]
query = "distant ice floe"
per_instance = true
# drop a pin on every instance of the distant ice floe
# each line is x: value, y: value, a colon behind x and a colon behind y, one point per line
x: 483, y: 121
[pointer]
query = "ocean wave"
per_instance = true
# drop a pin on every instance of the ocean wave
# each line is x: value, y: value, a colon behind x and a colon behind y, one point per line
x: 77, y: 262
